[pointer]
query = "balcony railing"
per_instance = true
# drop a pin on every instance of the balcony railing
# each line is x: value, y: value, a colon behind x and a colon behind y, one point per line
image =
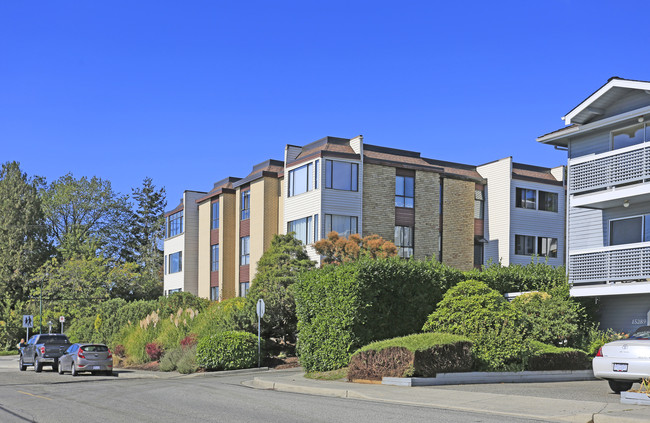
x: 622, y: 166
x: 610, y: 264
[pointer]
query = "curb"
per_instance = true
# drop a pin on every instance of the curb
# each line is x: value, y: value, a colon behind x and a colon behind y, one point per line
x: 258, y: 383
x: 492, y: 377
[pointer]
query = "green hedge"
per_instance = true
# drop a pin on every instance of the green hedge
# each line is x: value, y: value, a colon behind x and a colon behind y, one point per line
x: 341, y: 308
x: 550, y: 357
x: 227, y: 351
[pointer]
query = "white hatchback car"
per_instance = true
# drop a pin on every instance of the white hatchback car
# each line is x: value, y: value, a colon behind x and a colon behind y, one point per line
x: 625, y: 361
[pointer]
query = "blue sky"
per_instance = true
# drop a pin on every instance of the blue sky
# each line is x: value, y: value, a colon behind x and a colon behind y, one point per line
x: 191, y: 92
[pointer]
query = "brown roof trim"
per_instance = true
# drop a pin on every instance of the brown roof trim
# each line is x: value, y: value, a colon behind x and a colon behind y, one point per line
x: 481, y: 181
x: 215, y: 193
x: 403, y: 165
x: 176, y: 210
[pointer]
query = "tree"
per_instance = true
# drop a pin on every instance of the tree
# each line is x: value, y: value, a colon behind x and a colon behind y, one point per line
x: 23, y: 234
x: 85, y: 216
x: 338, y: 249
x: 147, y: 229
x: 277, y: 271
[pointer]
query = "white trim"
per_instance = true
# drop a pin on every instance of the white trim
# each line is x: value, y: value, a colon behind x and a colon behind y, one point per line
x: 610, y: 248
x: 604, y: 290
x: 621, y: 83
x: 608, y: 198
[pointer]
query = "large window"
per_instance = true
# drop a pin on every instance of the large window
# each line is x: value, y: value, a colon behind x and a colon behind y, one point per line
x: 245, y: 204
x: 343, y: 225
x: 244, y: 250
x: 214, y: 293
x: 215, y: 215
x: 404, y: 241
x: 404, y: 192
x: 548, y: 201
x: 341, y: 175
x: 301, y: 180
x: 243, y: 289
x: 316, y: 174
x: 631, y: 135
x: 526, y: 245
x: 547, y: 247
x: 526, y: 198
x: 214, y: 258
x: 175, y: 224
x: 302, y: 228
x: 627, y: 231
x: 479, y: 204
x: 176, y: 262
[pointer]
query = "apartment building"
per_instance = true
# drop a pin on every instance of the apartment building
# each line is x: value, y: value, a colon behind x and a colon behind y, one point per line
x: 607, y: 138
x: 428, y: 208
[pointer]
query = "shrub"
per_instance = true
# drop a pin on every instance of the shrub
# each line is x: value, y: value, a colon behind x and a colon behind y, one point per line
x: 189, y: 341
x: 154, y: 351
x: 550, y: 357
x: 535, y: 276
x: 119, y: 350
x: 227, y: 351
x: 169, y: 360
x: 415, y: 355
x: 186, y: 364
x: 227, y: 315
x: 343, y: 307
x: 474, y: 310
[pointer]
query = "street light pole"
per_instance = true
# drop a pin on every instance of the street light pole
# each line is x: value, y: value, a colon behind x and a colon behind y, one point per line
x: 40, y: 319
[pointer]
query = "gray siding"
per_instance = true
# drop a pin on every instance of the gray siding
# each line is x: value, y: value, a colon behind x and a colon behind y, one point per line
x: 594, y: 143
x: 585, y: 229
x: 623, y: 313
x: 632, y: 101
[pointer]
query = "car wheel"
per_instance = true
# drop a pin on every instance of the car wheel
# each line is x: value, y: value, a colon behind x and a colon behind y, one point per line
x: 21, y: 366
x: 73, y: 370
x: 617, y: 385
x: 59, y: 368
x: 38, y: 366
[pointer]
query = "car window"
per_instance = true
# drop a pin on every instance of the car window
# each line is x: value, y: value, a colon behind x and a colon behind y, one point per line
x: 71, y: 349
x: 53, y: 339
x: 32, y: 340
x: 641, y: 333
x: 95, y: 348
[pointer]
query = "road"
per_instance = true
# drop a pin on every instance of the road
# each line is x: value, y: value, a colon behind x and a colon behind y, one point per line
x: 138, y: 396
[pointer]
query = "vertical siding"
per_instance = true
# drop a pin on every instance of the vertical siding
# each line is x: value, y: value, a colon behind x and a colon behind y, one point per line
x: 497, y: 210
x: 204, y: 256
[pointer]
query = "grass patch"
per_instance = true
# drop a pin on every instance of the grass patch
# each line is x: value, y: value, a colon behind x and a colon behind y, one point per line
x: 331, y: 375
x: 10, y: 352
x: 417, y: 342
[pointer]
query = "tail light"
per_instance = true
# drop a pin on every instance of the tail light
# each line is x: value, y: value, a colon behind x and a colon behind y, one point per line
x: 42, y: 350
x: 600, y: 352
x: 110, y: 354
x: 80, y: 354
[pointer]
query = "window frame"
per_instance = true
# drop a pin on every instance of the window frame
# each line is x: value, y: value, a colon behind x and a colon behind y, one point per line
x: 549, y: 243
x: 307, y: 221
x: 525, y: 237
x: 329, y: 223
x: 643, y: 218
x: 245, y: 204
x: 180, y: 262
x: 404, y: 250
x: 519, y: 201
x: 212, y: 293
x: 329, y: 175
x: 214, y: 258
x: 244, y: 250
x: 645, y: 127
x: 556, y: 203
x: 214, y: 215
x: 404, y: 196
x: 175, y: 221
x: 309, y: 179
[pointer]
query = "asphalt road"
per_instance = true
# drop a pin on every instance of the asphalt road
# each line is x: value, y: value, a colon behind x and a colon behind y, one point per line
x: 135, y: 396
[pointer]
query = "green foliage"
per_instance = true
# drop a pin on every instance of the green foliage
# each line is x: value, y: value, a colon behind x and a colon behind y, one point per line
x: 599, y: 338
x: 416, y: 342
x: 550, y: 357
x: 170, y: 359
x: 227, y: 351
x: 228, y: 315
x: 186, y: 364
x: 535, y: 276
x: 277, y: 271
x: 343, y: 307
x: 473, y: 309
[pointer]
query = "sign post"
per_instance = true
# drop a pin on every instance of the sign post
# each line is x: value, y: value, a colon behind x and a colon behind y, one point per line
x: 61, y: 319
x: 260, y: 308
x: 28, y: 322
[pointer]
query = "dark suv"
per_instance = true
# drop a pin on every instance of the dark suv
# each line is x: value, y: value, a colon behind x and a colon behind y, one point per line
x: 43, y: 349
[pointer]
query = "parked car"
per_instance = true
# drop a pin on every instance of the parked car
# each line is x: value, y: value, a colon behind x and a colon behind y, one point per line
x: 43, y: 349
x: 625, y: 361
x: 94, y: 358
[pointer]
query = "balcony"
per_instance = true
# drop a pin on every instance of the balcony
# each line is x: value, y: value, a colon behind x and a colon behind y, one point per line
x: 614, y: 168
x: 617, y: 263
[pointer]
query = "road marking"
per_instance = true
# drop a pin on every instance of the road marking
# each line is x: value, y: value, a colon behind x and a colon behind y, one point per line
x: 37, y: 396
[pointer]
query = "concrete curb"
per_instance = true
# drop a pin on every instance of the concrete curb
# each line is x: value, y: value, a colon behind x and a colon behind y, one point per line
x: 258, y: 383
x: 492, y: 377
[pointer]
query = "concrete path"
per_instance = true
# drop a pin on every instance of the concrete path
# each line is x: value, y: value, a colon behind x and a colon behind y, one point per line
x: 536, y: 407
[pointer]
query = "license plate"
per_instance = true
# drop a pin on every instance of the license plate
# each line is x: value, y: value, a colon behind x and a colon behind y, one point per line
x: 97, y: 367
x: 620, y: 367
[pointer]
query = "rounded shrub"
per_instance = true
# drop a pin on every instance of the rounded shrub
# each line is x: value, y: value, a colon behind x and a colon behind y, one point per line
x: 227, y: 351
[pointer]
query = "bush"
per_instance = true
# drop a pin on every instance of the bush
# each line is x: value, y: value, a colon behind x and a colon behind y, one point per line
x: 227, y: 351
x: 154, y: 351
x: 227, y: 315
x: 550, y: 357
x: 535, y: 276
x: 119, y: 350
x: 421, y: 355
x: 474, y: 310
x: 343, y: 307
x: 169, y: 360
x: 189, y: 341
x: 182, y: 359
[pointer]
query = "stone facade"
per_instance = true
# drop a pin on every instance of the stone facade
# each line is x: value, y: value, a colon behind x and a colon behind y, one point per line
x: 427, y: 217
x: 458, y: 223
x: 379, y: 201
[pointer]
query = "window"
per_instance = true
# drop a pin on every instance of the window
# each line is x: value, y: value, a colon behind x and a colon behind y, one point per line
x: 341, y: 175
x: 316, y: 228
x: 302, y: 228
x: 548, y: 201
x: 165, y: 265
x: 214, y: 258
x: 316, y: 174
x: 214, y: 293
x: 547, y: 247
x: 175, y: 224
x: 479, y: 205
x: 244, y: 250
x: 626, y: 231
x: 404, y: 191
x: 300, y: 180
x: 478, y: 255
x: 629, y: 136
x: 344, y: 225
x: 172, y: 291
x: 176, y: 262
x: 215, y: 216
x: 404, y: 241
x: 526, y: 198
x: 524, y: 245
x: 245, y: 205
x: 243, y: 289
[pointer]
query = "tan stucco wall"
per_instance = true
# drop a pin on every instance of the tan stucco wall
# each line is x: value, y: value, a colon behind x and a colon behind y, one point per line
x: 458, y: 224
x: 204, y: 249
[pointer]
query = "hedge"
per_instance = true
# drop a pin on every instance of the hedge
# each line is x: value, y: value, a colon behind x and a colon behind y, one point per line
x: 550, y: 357
x: 227, y: 351
x: 343, y: 307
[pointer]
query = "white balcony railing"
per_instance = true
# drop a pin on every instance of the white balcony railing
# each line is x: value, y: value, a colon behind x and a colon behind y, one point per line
x: 610, y: 264
x: 617, y: 167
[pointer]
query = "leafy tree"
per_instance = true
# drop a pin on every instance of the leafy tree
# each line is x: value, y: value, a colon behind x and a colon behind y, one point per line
x: 85, y: 216
x: 277, y: 271
x: 338, y: 249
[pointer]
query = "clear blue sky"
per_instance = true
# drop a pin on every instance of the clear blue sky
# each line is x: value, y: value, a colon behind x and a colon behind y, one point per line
x: 189, y: 92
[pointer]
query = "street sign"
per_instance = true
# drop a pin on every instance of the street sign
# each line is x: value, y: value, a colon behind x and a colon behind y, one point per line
x: 260, y: 307
x: 28, y: 321
x: 62, y: 319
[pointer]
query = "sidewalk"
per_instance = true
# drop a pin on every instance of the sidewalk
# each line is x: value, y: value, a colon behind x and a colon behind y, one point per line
x: 532, y: 407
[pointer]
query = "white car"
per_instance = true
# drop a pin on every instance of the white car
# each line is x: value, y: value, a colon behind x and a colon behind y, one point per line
x: 625, y: 361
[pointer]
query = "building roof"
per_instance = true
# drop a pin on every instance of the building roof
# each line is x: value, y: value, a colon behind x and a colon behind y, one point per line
x: 271, y: 168
x: 219, y: 187
x: 534, y: 173
x: 395, y: 157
